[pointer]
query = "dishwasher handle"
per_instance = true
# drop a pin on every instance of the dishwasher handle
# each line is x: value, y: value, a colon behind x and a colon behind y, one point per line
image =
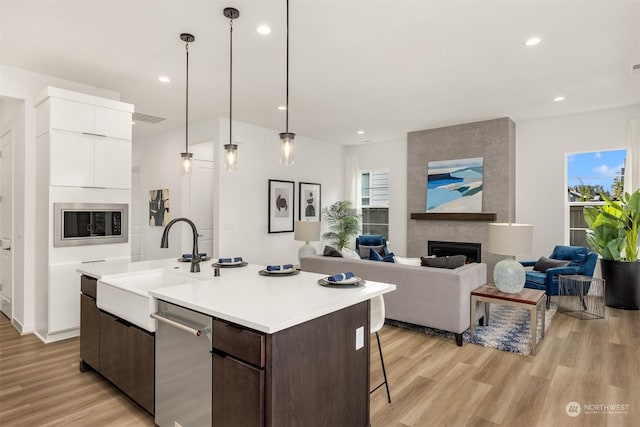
x: 192, y: 331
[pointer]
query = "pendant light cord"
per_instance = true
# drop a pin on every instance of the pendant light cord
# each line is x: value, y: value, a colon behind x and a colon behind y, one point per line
x: 186, y: 127
x: 230, y: 78
x: 287, y: 91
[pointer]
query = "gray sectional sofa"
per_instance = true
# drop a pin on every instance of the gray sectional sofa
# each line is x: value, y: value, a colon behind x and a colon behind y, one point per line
x: 434, y: 297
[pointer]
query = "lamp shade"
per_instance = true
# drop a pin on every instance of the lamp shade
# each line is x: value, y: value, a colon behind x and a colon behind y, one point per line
x: 510, y: 239
x: 307, y: 231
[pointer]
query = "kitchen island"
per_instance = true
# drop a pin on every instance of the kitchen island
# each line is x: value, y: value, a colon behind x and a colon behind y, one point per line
x: 283, y: 351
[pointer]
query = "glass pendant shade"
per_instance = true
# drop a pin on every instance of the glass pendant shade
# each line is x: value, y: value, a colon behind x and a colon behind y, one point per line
x: 187, y: 161
x: 286, y: 148
x: 231, y: 157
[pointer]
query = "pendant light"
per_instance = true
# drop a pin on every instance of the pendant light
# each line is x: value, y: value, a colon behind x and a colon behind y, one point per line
x: 231, y: 149
x: 286, y: 137
x: 187, y: 157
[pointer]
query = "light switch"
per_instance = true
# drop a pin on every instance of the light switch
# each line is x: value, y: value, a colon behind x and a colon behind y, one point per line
x: 359, y: 337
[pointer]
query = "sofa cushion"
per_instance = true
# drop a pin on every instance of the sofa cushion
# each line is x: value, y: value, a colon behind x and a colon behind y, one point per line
x: 329, y: 251
x: 375, y: 256
x: 451, y: 262
x: 544, y: 263
x: 536, y: 278
x: 364, y: 250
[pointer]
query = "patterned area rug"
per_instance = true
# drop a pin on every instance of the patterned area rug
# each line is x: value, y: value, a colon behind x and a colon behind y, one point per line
x: 508, y: 329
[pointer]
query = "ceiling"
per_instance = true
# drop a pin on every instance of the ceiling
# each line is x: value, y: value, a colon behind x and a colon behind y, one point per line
x: 386, y: 67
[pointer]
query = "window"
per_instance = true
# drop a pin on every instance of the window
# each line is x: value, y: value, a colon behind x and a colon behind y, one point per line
x: 375, y: 202
x: 588, y: 175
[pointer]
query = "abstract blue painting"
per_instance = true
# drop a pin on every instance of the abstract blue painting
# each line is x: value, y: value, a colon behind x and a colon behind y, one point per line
x: 455, y: 185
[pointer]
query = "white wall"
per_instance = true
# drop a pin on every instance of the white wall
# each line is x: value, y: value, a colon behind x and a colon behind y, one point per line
x: 390, y: 155
x: 158, y: 160
x: 541, y: 149
x: 241, y: 203
x: 24, y: 86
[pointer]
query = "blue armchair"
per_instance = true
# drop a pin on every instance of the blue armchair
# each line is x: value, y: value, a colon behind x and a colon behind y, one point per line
x: 371, y: 240
x: 581, y: 261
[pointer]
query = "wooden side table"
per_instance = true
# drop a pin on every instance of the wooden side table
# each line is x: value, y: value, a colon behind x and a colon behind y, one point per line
x: 531, y: 299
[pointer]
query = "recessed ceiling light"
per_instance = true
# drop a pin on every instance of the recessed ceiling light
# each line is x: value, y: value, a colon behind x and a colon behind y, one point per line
x: 558, y: 99
x: 360, y: 132
x: 532, y: 41
x: 164, y: 79
x: 263, y: 29
x: 282, y: 108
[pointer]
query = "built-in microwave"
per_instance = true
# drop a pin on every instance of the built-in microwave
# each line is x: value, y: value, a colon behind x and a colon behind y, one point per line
x: 77, y: 224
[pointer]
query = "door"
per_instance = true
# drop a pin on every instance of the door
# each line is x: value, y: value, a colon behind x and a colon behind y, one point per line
x: 201, y: 203
x: 6, y: 222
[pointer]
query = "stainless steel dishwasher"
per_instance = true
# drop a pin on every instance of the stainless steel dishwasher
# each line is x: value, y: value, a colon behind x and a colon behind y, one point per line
x: 183, y: 367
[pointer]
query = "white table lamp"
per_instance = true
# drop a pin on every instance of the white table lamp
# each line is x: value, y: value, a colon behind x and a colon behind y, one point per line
x: 307, y: 231
x: 510, y: 239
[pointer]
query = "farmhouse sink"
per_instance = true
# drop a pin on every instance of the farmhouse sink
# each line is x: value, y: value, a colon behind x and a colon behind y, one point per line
x: 126, y: 295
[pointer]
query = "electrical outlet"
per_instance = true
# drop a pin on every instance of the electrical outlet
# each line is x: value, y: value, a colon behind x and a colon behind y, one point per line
x: 359, y: 337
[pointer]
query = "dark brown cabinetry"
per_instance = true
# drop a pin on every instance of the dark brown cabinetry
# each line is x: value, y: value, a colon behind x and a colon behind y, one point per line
x: 89, y: 332
x: 140, y: 363
x: 309, y: 374
x: 238, y: 376
x: 121, y: 352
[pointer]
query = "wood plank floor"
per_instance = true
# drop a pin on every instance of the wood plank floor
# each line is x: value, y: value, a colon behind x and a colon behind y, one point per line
x: 433, y: 382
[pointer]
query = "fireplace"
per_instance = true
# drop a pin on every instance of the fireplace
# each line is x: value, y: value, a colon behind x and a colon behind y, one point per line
x: 471, y: 250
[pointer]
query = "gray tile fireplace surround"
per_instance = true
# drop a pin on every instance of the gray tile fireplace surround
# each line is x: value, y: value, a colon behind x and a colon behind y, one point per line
x: 494, y: 141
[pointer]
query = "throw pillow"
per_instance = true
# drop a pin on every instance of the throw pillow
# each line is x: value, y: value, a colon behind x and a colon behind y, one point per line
x: 407, y: 261
x: 450, y: 262
x: 349, y: 253
x: 329, y: 251
x: 544, y: 263
x: 375, y: 256
x: 364, y: 251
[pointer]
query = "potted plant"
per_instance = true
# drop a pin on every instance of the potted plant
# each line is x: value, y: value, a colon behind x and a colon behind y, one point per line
x: 343, y: 224
x: 613, y: 234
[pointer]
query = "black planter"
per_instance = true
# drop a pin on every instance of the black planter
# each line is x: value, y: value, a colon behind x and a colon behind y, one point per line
x: 622, y: 284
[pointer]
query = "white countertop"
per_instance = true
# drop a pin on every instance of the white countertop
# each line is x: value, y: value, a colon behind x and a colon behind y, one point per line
x: 101, y: 269
x: 241, y: 295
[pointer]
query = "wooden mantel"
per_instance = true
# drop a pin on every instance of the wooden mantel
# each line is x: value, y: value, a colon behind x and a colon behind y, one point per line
x: 455, y: 216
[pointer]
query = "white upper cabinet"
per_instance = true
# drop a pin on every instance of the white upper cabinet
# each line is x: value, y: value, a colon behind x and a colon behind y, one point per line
x: 86, y: 118
x: 90, y: 139
x: 71, y: 115
x: 112, y: 165
x: 71, y: 159
x: 113, y: 123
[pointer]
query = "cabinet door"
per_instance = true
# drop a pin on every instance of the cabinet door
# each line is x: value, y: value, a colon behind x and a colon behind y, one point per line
x: 140, y: 367
x: 113, y: 360
x: 71, y: 115
x: 64, y: 304
x: 71, y: 159
x: 113, y: 123
x: 238, y: 393
x: 112, y: 163
x: 89, y: 332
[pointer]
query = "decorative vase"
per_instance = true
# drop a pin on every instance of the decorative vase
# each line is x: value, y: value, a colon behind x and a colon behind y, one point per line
x: 622, y: 284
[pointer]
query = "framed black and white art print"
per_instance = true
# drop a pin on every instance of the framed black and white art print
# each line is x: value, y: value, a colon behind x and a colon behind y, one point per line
x: 309, y: 207
x: 281, y: 206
